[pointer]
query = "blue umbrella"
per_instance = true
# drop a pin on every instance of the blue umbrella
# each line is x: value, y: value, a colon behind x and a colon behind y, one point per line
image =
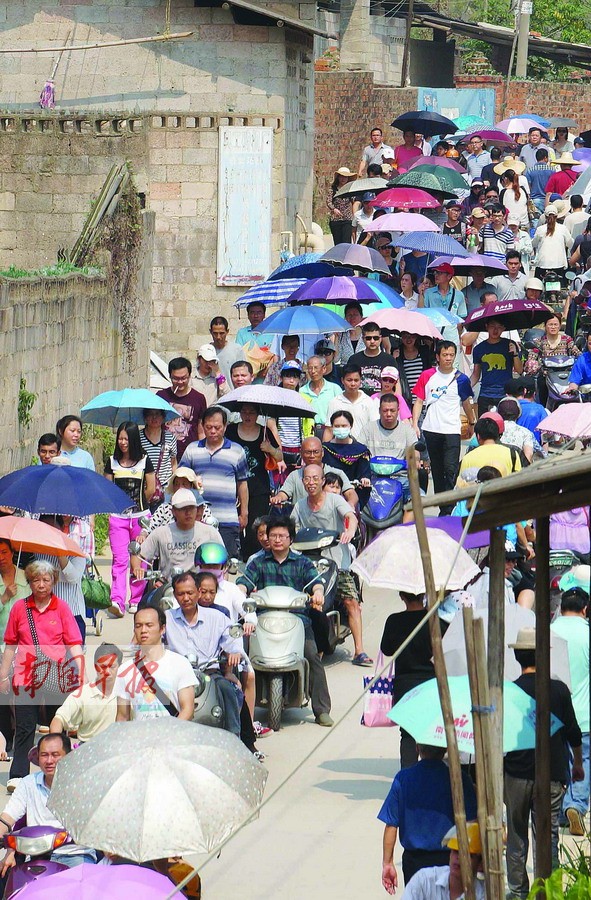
x: 431, y: 242
x: 270, y: 292
x: 61, y: 490
x: 303, y: 320
x: 295, y: 261
x: 310, y: 270
x: 440, y: 317
x: 114, y: 407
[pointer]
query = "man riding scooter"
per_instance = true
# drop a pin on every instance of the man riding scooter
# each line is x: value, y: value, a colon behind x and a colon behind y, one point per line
x: 280, y: 565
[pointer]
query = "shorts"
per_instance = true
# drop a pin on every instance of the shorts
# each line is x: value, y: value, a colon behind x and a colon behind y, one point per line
x: 347, y: 588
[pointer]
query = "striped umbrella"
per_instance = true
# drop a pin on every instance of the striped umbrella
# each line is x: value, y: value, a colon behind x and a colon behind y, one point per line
x: 270, y: 292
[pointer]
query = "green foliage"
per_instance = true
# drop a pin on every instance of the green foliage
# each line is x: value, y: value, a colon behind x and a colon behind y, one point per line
x: 57, y: 271
x: 101, y: 434
x: 570, y: 882
x: 26, y: 401
x: 101, y: 532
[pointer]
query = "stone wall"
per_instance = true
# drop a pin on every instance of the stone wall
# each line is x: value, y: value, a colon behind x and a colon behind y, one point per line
x: 63, y: 336
x: 348, y: 106
x: 551, y: 98
x: 368, y: 42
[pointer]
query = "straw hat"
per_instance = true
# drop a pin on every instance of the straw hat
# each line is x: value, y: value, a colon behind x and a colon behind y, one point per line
x: 509, y: 163
x: 345, y: 171
x: 526, y: 639
x: 182, y: 472
x: 566, y: 159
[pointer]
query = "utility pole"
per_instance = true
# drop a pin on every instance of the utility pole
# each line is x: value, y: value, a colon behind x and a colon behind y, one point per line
x: 524, y: 12
x: 405, y: 79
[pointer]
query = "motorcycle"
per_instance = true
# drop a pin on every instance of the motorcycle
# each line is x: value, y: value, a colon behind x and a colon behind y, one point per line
x: 553, y: 291
x: 385, y: 505
x: 158, y: 590
x: 276, y: 648
x: 557, y: 372
x: 37, y: 842
x: 312, y: 542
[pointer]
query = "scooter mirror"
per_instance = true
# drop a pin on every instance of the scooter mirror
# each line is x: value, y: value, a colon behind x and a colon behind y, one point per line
x: 134, y: 548
x: 570, y: 276
x: 236, y: 631
x: 249, y: 606
x: 176, y: 570
x: 585, y: 389
x: 235, y: 565
x: 323, y: 566
x: 143, y: 521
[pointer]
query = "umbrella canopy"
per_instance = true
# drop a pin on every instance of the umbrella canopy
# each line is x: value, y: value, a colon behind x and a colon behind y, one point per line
x: 404, y: 320
x: 518, y: 124
x: 493, y: 135
x: 402, y: 222
x: 273, y: 401
x: 302, y: 259
x: 463, y: 266
x: 470, y: 123
x: 31, y: 536
x: 341, y: 290
x: 514, y: 314
x: 157, y: 788
x: 448, y: 179
x: 91, y: 882
x: 516, y: 617
x: 572, y: 420
x: 437, y: 161
x: 114, y: 407
x: 309, y: 270
x: 385, y: 297
x: 431, y: 243
x: 393, y: 561
x: 63, y: 490
x: 416, y: 178
x: 419, y: 713
x: 454, y: 527
x: 426, y: 123
x: 270, y: 292
x: 562, y: 122
x: 303, y: 320
x: 361, y: 186
x: 539, y: 120
x: 406, y: 198
x: 356, y: 256
x: 441, y: 318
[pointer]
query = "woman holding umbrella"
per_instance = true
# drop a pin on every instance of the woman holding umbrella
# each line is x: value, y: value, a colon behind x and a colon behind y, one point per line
x: 13, y: 587
x: 261, y: 449
x: 132, y: 470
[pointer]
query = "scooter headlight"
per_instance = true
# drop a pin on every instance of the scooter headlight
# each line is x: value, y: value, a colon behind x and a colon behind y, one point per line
x: 216, y: 712
x: 277, y: 625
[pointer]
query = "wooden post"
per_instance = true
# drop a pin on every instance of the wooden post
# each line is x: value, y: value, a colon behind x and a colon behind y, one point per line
x: 455, y: 772
x: 496, y: 662
x: 542, y: 786
x: 405, y: 79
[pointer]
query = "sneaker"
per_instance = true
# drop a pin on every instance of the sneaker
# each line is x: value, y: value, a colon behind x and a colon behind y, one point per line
x: 12, y: 784
x: 115, y: 611
x: 325, y: 720
x: 261, y: 730
x: 576, y: 825
x: 43, y: 729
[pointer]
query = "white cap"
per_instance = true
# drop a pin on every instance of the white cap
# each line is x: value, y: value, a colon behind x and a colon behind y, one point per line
x: 182, y: 498
x: 60, y: 461
x: 207, y: 352
x: 534, y: 284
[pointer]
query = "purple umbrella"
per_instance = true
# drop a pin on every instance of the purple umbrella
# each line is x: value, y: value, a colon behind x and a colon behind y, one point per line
x: 464, y: 266
x: 514, y: 314
x: 97, y: 882
x: 343, y: 289
x: 454, y: 526
x: 356, y: 256
x: 490, y: 134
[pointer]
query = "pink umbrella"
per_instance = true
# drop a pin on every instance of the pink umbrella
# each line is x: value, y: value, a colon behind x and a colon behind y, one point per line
x: 403, y: 221
x: 437, y: 161
x: 406, y: 198
x: 518, y: 125
x: 405, y: 320
x: 491, y: 134
x: 571, y: 420
x: 463, y: 266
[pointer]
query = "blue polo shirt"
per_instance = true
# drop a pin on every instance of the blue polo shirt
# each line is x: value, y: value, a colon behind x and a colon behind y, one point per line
x: 420, y: 805
x: 581, y: 371
x: 532, y: 414
x: 221, y: 471
x: 454, y: 301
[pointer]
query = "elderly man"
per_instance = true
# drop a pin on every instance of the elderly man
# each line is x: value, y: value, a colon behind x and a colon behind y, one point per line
x: 175, y: 544
x: 280, y: 565
x: 223, y: 467
x: 293, y: 488
x: 227, y: 352
x: 534, y: 143
x: 29, y: 801
x: 203, y: 632
x: 320, y: 509
x: 327, y: 351
x: 318, y: 390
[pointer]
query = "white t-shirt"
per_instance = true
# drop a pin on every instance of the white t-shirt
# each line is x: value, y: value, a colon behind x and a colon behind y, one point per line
x: 364, y: 410
x: 172, y: 672
x: 443, y: 395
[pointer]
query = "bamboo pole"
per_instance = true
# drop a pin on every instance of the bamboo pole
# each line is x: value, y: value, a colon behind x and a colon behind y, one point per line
x: 455, y: 772
x: 543, y: 865
x: 496, y: 662
x: 155, y: 39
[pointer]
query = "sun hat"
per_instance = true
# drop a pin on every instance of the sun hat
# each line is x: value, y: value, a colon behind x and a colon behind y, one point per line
x: 208, y: 353
x: 181, y: 472
x: 526, y: 639
x: 344, y: 171
x: 510, y: 163
x: 445, y: 267
x: 474, y: 843
x: 551, y: 210
x: 565, y: 159
x: 390, y: 372
x: 183, y: 498
x: 534, y: 284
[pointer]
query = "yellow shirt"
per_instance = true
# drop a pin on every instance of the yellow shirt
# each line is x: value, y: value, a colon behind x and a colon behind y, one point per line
x: 88, y: 711
x: 497, y: 455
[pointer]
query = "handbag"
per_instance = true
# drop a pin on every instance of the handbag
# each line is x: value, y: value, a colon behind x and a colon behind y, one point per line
x: 97, y: 593
x: 45, y: 666
x: 378, y: 698
x: 158, y: 495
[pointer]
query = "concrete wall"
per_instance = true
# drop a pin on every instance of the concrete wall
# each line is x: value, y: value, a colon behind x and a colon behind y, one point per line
x: 176, y: 95
x: 368, y: 43
x: 63, y: 336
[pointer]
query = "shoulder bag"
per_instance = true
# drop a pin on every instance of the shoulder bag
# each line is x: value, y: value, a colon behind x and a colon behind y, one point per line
x: 378, y: 697
x: 158, y: 495
x: 45, y: 675
x: 155, y: 687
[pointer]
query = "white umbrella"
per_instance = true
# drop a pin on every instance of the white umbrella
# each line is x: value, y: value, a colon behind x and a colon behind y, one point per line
x: 156, y: 788
x: 393, y: 561
x: 402, y: 222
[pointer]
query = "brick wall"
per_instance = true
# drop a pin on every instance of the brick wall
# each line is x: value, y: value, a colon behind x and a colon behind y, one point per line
x: 348, y: 105
x: 544, y: 98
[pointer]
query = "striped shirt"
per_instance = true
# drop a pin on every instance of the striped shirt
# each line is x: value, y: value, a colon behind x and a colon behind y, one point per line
x: 496, y: 243
x: 69, y: 586
x: 221, y: 471
x: 152, y: 451
x: 413, y: 369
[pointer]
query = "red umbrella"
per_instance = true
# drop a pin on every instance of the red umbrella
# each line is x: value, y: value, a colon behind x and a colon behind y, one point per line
x: 406, y: 198
x: 438, y: 161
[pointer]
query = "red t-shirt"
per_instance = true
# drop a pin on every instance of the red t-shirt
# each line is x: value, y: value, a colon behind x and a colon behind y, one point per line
x: 561, y: 181
x: 56, y: 630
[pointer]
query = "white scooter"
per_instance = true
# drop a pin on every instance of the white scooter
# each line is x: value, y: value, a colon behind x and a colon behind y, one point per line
x: 276, y: 649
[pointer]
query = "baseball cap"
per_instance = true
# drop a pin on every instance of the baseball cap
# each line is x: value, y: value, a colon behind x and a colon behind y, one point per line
x: 390, y: 372
x: 579, y: 140
x: 324, y: 347
x: 183, y: 498
x: 445, y: 267
x: 291, y: 366
x: 478, y: 212
x: 477, y: 181
x: 369, y: 195
x: 496, y: 417
x: 207, y: 352
x: 453, y: 204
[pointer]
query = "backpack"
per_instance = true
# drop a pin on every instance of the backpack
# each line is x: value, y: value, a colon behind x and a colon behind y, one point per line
x: 516, y: 452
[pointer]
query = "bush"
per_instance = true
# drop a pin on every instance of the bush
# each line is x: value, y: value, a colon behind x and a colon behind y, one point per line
x: 101, y: 532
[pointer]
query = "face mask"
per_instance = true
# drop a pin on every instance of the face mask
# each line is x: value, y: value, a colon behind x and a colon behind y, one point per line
x: 217, y: 573
x: 341, y: 433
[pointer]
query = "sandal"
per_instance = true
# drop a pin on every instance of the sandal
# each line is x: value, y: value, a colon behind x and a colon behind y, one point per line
x: 362, y: 659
